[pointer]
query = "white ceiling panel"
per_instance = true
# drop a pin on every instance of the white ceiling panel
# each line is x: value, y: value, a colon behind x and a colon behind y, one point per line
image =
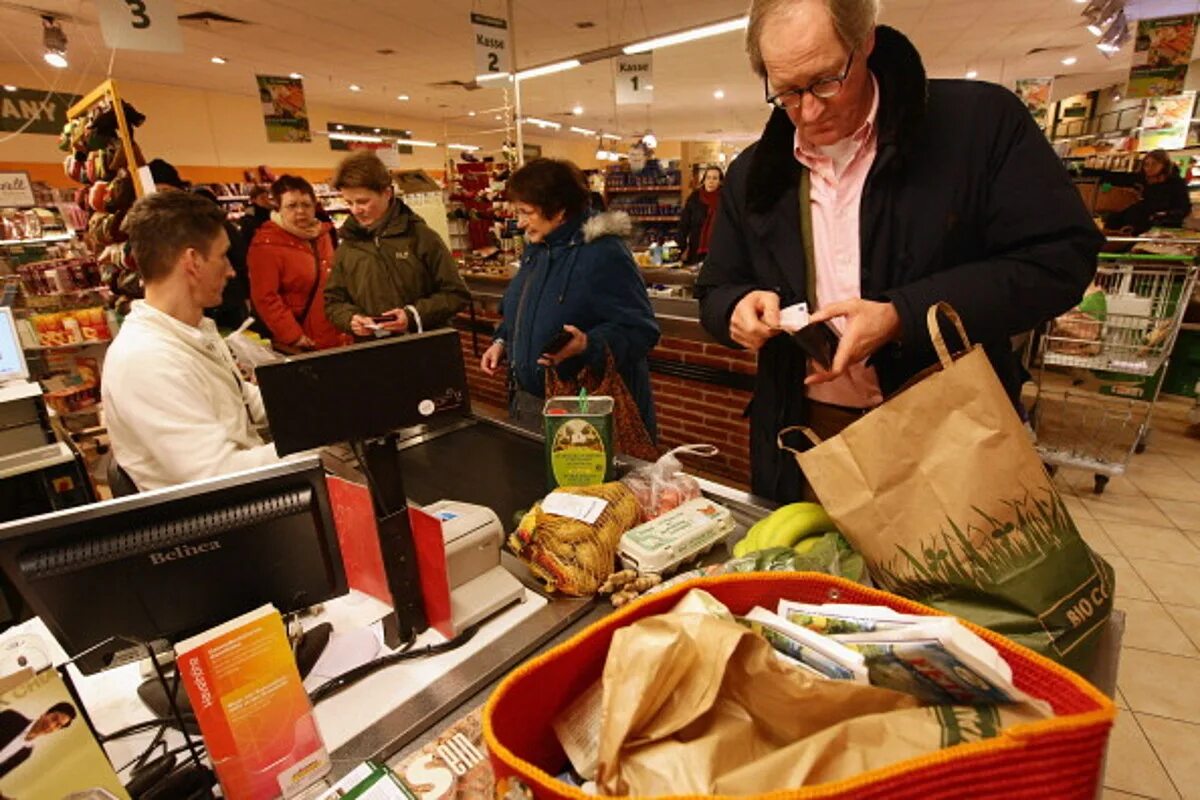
x: 390, y: 47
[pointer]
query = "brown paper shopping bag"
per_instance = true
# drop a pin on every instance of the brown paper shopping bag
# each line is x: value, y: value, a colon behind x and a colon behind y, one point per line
x: 943, y: 493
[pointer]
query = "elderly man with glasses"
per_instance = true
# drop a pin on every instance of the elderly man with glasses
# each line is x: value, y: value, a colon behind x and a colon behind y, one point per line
x: 872, y: 194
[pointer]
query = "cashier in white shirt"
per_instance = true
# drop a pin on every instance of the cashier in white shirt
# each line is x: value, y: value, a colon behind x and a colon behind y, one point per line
x: 177, y: 409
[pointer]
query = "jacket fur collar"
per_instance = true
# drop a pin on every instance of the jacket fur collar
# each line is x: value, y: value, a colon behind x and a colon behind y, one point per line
x: 607, y: 223
x: 903, y: 91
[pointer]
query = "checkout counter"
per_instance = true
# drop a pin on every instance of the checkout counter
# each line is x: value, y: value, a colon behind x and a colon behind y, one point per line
x: 491, y: 463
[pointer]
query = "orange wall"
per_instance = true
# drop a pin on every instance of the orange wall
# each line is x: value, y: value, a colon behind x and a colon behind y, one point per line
x: 213, y: 136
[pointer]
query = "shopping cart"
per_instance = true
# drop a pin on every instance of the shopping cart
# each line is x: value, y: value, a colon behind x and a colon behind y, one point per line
x: 1098, y: 375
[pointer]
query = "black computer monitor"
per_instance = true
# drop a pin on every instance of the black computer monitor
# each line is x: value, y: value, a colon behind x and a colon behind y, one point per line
x: 364, y: 391
x: 169, y: 563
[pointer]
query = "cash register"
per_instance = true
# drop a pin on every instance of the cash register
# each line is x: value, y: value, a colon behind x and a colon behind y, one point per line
x: 26, y: 439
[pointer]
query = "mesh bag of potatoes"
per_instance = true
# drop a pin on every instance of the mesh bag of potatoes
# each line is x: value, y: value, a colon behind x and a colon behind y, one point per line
x: 565, y: 552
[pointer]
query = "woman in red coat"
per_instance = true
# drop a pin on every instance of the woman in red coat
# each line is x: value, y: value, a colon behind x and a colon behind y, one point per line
x: 289, y: 261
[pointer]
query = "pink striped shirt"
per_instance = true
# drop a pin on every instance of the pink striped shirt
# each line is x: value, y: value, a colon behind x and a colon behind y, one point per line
x: 839, y: 175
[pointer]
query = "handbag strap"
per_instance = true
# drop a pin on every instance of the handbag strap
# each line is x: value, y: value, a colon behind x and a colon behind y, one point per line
x: 312, y: 295
x: 803, y: 430
x: 935, y: 331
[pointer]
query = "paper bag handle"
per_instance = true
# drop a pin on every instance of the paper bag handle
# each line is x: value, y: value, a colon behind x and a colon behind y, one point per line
x: 808, y: 433
x: 935, y: 331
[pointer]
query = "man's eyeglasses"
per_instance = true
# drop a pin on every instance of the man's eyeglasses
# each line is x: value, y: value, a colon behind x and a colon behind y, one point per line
x: 824, y: 88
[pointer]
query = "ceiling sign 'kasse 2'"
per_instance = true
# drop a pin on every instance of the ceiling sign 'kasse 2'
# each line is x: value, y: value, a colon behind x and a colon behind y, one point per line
x: 140, y: 25
x: 635, y: 79
x: 491, y: 45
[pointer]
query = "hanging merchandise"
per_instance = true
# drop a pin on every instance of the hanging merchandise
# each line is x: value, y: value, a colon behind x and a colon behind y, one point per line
x: 284, y: 109
x: 635, y: 79
x: 1161, y: 55
x: 1035, y: 93
x: 1166, y: 121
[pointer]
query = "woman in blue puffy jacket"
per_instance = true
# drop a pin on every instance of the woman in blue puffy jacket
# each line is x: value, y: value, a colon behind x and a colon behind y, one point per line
x: 578, y: 278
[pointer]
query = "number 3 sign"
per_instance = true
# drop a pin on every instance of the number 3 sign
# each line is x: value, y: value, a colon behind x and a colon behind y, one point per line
x: 140, y: 25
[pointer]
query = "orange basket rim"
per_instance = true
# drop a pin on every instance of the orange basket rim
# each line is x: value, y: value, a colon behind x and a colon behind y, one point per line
x: 1013, y: 737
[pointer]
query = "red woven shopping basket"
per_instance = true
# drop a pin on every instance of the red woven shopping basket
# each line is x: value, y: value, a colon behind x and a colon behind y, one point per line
x: 1056, y: 758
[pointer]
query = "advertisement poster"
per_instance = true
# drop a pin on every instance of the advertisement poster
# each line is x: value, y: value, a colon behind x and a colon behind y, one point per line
x: 1166, y: 122
x: 1035, y: 94
x: 284, y: 110
x: 1161, y: 55
x: 46, y: 747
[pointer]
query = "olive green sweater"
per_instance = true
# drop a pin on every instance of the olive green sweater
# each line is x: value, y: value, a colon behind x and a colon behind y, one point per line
x: 398, y: 263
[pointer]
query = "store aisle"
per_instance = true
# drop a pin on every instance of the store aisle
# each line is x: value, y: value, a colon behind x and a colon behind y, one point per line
x: 1147, y: 524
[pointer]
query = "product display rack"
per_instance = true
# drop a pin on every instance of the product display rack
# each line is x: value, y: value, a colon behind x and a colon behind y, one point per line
x: 107, y: 92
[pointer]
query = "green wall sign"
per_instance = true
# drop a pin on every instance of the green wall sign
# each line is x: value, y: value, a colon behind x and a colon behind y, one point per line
x: 34, y: 111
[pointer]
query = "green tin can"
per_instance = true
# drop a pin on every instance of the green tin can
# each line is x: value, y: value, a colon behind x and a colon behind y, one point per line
x: 579, y: 449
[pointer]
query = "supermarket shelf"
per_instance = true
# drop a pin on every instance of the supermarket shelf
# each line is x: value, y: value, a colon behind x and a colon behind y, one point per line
x: 643, y: 189
x: 675, y: 218
x: 56, y: 237
x: 72, y: 346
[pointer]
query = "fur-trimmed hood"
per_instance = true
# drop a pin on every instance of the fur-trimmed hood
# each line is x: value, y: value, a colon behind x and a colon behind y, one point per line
x: 903, y: 91
x: 607, y: 223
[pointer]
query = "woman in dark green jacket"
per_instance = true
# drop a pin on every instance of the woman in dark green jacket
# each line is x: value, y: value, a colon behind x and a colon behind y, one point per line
x: 389, y: 263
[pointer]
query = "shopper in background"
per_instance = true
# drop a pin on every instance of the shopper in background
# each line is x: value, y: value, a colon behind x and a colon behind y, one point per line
x: 166, y: 177
x: 918, y: 191
x: 257, y: 212
x: 577, y: 275
x: 290, y: 259
x: 1165, y: 202
x: 176, y: 408
x: 392, y: 273
x: 695, y: 225
x: 234, y: 307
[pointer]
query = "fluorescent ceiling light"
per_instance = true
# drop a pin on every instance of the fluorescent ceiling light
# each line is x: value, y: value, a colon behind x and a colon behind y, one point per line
x: 610, y: 136
x: 542, y: 123
x: 8, y: 87
x: 602, y: 155
x: 584, y: 131
x: 340, y: 127
x: 356, y: 137
x: 972, y: 74
x: 490, y: 76
x: 217, y: 60
x: 403, y: 98
x: 1069, y: 61
x: 354, y: 87
x: 57, y: 60
x: 377, y: 130
x: 468, y: 147
x: 548, y: 69
x: 577, y: 110
x: 416, y: 143
x: 719, y: 94
x: 295, y: 76
x: 470, y: 113
x: 703, y: 32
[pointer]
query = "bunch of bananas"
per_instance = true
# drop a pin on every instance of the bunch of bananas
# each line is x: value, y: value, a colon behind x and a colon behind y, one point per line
x: 793, y: 526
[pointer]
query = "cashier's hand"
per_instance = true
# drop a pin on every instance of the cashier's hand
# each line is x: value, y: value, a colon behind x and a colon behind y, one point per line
x: 869, y: 326
x: 491, y: 358
x: 755, y: 320
x: 361, y: 325
x: 577, y: 345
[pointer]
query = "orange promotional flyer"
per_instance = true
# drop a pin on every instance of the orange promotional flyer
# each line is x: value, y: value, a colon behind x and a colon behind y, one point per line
x: 256, y: 718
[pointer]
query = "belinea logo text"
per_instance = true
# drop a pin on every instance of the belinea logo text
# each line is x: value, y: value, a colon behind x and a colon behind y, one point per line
x: 182, y: 551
